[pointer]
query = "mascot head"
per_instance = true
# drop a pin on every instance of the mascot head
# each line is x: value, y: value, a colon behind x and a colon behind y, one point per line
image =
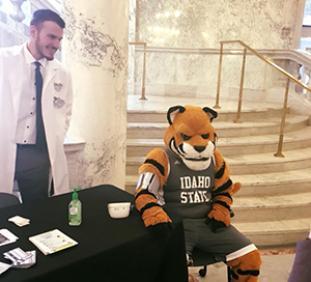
x: 191, y: 135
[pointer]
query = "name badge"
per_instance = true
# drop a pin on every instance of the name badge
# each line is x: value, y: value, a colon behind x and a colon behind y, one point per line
x: 58, y: 102
x: 58, y: 86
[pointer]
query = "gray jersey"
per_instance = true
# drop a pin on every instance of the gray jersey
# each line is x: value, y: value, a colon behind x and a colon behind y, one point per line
x: 187, y: 191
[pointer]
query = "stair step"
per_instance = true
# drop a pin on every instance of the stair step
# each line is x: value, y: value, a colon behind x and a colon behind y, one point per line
x: 273, y: 207
x: 278, y: 207
x: 223, y: 128
x: 252, y: 163
x: 275, y: 183
x: 235, y: 145
x: 267, y: 162
x: 248, y: 114
x: 275, y: 233
x: 264, y: 184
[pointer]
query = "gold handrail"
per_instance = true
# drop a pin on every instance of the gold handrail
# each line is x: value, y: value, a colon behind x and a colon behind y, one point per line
x: 268, y: 61
x: 272, y: 64
x: 143, y: 93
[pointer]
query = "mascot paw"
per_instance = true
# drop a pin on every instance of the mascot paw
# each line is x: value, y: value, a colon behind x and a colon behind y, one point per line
x: 220, y: 214
x: 161, y: 231
x: 215, y: 225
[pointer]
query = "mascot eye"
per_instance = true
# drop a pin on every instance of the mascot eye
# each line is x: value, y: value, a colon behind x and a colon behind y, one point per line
x: 185, y: 137
x: 205, y: 136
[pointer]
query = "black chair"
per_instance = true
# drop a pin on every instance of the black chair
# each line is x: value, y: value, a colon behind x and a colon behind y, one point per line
x: 7, y: 200
x: 201, y: 258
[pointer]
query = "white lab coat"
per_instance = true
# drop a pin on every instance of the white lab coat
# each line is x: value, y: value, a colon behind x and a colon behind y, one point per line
x: 56, y: 111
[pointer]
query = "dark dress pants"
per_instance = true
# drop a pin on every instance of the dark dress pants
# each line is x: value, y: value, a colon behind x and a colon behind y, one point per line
x: 32, y: 171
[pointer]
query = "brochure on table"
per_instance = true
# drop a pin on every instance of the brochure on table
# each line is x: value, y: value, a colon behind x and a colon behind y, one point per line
x: 6, y: 237
x: 52, y: 241
x: 48, y: 243
x: 4, y: 267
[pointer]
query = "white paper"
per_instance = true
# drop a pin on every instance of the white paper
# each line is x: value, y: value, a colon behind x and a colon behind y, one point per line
x: 19, y: 221
x: 21, y: 259
x: 52, y: 241
x: 7, y: 237
x: 4, y: 267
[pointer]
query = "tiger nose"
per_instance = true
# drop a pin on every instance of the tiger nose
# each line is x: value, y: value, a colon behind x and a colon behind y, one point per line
x: 199, y: 148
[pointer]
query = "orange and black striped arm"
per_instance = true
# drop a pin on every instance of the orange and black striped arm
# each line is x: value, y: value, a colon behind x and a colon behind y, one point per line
x: 156, y: 162
x: 223, y: 191
x: 153, y: 174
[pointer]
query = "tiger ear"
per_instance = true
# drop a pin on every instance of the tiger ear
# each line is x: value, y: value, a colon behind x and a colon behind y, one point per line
x: 212, y: 114
x: 172, y: 111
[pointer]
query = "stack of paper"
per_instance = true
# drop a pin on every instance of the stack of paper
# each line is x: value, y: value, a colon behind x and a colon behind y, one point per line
x: 21, y: 259
x: 4, y: 267
x: 6, y: 237
x: 19, y: 221
x: 52, y: 241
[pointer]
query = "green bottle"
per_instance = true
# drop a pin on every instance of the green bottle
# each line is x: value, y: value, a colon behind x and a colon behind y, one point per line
x: 75, y: 210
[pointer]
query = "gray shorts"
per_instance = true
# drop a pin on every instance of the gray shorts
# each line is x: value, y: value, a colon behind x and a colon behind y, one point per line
x: 225, y: 241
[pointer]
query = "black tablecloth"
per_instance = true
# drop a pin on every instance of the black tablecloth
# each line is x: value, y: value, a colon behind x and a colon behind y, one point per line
x: 108, y: 249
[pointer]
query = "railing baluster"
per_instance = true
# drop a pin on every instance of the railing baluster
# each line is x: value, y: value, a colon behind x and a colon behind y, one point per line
x: 143, y: 93
x: 282, y: 127
x: 217, y: 106
x: 238, y: 115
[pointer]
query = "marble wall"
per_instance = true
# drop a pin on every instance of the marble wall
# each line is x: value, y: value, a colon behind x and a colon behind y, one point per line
x: 193, y: 73
x: 203, y: 23
x: 95, y: 50
x: 183, y: 38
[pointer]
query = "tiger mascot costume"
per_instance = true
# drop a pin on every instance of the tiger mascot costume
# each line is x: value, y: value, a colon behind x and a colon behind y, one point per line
x: 191, y: 176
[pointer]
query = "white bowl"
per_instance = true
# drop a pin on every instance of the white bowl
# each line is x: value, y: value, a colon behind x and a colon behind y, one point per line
x: 119, y: 210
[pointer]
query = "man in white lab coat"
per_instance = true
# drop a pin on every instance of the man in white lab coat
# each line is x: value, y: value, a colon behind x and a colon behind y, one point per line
x: 35, y: 108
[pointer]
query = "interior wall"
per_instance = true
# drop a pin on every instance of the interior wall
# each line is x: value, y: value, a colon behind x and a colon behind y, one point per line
x: 203, y: 23
x: 185, y: 35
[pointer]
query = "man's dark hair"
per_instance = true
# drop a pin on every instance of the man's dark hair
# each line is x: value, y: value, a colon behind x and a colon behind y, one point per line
x: 43, y: 15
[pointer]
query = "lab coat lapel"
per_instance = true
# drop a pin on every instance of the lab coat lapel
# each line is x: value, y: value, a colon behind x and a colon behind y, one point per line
x: 51, y: 70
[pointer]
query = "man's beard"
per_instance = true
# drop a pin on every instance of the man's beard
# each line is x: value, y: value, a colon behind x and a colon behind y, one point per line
x: 40, y: 49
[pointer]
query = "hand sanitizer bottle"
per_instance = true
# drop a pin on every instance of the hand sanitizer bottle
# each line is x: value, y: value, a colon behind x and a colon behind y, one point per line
x: 75, y: 210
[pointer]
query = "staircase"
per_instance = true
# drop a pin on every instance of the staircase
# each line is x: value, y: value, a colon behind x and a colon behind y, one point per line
x: 273, y: 207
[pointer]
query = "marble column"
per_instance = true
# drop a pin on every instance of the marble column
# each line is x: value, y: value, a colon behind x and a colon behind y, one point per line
x: 95, y: 51
x: 131, y: 51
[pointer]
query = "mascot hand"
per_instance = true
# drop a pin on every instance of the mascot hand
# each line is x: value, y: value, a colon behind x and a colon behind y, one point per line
x: 219, y: 214
x: 161, y: 231
x: 155, y: 215
x: 215, y: 224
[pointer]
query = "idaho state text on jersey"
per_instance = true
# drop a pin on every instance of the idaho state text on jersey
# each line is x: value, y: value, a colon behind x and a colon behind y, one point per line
x: 196, y: 196
x: 192, y: 184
